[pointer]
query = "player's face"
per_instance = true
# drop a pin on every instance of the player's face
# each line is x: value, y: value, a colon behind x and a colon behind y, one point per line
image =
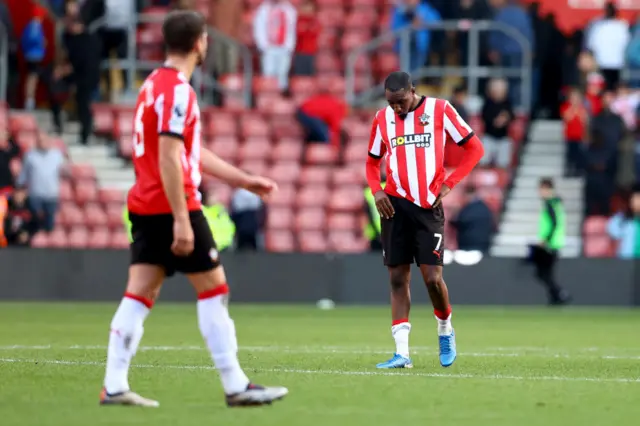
x: 635, y: 203
x: 201, y: 48
x: 400, y: 101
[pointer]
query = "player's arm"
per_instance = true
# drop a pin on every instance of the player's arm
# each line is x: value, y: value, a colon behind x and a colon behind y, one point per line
x: 460, y: 132
x: 171, y: 173
x: 217, y: 167
x: 374, y: 160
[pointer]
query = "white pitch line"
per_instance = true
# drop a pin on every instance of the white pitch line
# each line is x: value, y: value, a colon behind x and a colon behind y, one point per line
x: 340, y: 350
x: 346, y: 373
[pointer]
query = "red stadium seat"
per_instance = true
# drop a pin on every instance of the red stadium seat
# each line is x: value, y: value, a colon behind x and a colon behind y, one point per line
x: 220, y: 124
x: 320, y: 153
x: 125, y: 147
x: 330, y: 17
x: 119, y: 240
x: 253, y: 126
x: 312, y: 242
x: 598, y: 246
x: 255, y: 149
x: 493, y: 197
x: 265, y: 85
x: 348, y: 176
x: 275, y: 105
x: 99, y: 238
x: 287, y: 149
x: 232, y: 82
x: 346, y: 242
x: 78, y: 238
x: 95, y: 216
x: 283, y: 128
x: 124, y: 123
x: 57, y: 238
x: 357, y: 129
x: 353, y: 39
x: 595, y: 225
x: 312, y: 196
x: 489, y: 178
x: 107, y: 196
x: 114, y: 216
x: 256, y: 167
x: 71, y: 215
x: 83, y: 171
x: 285, y: 172
x: 315, y: 174
x: 313, y: 219
x: 362, y: 18
x: 284, y: 196
x: 303, y: 85
x: 327, y: 63
x: 40, y: 240
x: 342, y: 222
x: 226, y: 147
x: 22, y: 122
x: 66, y: 192
x: 356, y: 152
x: 86, y: 191
x: 347, y: 199
x: 279, y: 218
x: 103, y: 119
x: 280, y: 241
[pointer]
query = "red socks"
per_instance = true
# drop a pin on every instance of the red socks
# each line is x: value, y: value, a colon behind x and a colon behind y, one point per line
x: 443, y: 315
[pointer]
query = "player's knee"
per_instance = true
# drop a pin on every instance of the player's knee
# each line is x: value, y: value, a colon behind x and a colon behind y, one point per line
x: 399, y: 280
x: 433, y: 278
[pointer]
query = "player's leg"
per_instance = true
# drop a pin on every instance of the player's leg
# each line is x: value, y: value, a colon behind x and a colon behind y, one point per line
x: 127, y: 328
x: 397, y: 245
x: 429, y: 239
x: 218, y: 330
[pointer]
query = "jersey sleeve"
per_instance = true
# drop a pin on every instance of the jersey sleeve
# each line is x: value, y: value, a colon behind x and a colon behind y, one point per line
x: 172, y: 107
x: 376, y: 144
x: 457, y: 129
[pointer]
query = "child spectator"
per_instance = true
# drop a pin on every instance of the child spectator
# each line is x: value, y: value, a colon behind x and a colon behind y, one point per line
x: 34, y: 48
x: 497, y: 114
x: 575, y: 116
x: 307, y: 29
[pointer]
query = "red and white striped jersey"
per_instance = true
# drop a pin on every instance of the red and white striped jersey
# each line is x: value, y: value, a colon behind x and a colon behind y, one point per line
x: 166, y: 105
x: 414, y: 147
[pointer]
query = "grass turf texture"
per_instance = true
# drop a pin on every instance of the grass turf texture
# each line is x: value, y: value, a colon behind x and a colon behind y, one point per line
x: 520, y: 367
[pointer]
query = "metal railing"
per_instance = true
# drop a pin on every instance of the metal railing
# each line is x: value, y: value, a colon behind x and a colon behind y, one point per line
x: 473, y: 72
x: 4, y: 62
x: 203, y: 80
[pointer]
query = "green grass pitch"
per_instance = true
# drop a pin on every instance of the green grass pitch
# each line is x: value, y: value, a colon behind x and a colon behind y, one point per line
x: 515, y: 367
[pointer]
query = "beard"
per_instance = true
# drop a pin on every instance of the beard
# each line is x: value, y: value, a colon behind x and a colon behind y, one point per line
x: 200, y: 59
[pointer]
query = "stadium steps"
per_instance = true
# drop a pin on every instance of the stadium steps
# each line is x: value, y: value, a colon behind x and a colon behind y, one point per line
x: 543, y: 157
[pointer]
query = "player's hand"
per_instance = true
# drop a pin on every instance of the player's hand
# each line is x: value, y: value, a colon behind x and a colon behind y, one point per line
x: 443, y: 193
x: 261, y: 186
x: 182, y: 237
x: 383, y: 204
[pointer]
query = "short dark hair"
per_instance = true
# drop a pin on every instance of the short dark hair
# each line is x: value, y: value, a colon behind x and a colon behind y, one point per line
x: 460, y: 89
x: 398, y: 80
x: 546, y: 182
x: 181, y: 30
x: 610, y: 10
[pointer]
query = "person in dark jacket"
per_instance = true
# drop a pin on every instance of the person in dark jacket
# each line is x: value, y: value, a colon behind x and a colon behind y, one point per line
x: 474, y: 224
x: 19, y: 225
x: 84, y: 51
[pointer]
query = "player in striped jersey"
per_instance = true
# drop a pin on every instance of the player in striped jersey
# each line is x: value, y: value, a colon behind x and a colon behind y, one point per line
x: 410, y: 134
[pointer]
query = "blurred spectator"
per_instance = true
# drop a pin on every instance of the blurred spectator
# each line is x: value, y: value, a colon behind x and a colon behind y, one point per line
x: 19, y: 226
x: 222, y: 227
x: 624, y: 227
x: 474, y: 223
x: 497, y: 114
x: 33, y: 45
x: 608, y: 38
x: 459, y: 101
x: 41, y: 172
x: 625, y: 105
x: 633, y: 55
x: 12, y: 58
x: 308, y: 30
x: 413, y: 13
x: 119, y: 15
x: 504, y: 49
x: 547, y: 66
x: 469, y: 11
x: 248, y: 213
x: 4, y: 207
x: 84, y: 52
x: 611, y: 127
x: 321, y: 117
x: 227, y: 18
x: 575, y: 118
x: 9, y: 151
x: 637, y: 147
x: 274, y: 31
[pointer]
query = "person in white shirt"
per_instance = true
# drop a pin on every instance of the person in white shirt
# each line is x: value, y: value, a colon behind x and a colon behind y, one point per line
x: 607, y: 39
x: 274, y: 31
x: 118, y: 16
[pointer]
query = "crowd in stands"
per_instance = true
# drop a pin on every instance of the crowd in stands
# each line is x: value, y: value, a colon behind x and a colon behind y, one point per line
x: 299, y: 49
